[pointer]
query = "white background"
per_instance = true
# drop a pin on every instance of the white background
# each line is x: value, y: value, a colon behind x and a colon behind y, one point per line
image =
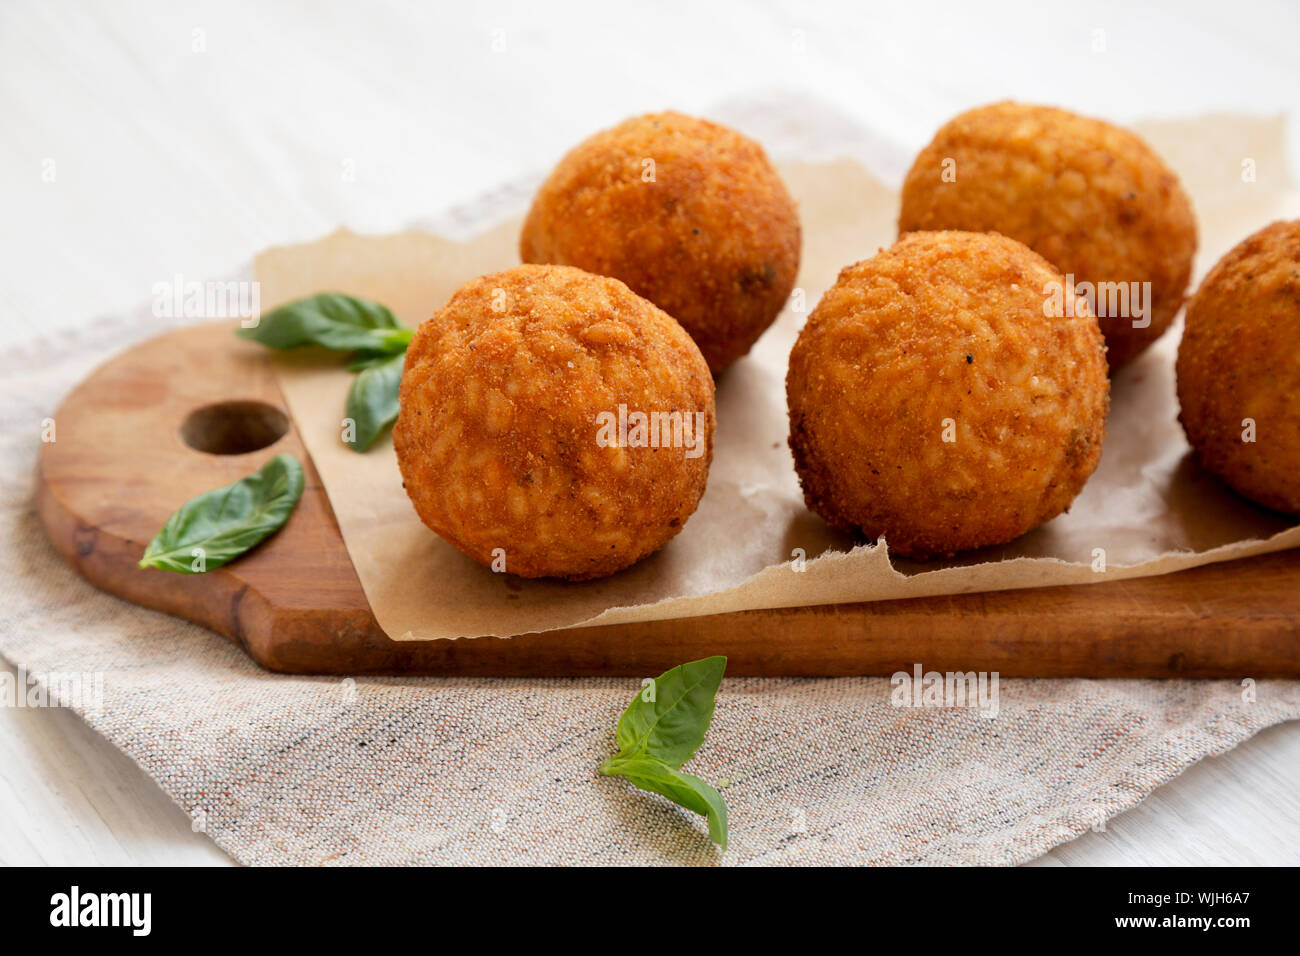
x: 183, y: 137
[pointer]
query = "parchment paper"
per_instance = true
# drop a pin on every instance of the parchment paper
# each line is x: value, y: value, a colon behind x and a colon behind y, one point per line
x: 1148, y: 506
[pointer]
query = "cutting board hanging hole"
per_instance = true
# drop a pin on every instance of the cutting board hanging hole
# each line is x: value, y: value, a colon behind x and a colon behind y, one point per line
x: 234, y: 428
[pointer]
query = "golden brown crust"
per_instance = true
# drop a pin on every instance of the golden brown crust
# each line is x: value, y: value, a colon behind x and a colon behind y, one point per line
x: 946, y: 332
x: 1240, y: 359
x: 1092, y: 198
x: 497, y: 438
x: 713, y: 240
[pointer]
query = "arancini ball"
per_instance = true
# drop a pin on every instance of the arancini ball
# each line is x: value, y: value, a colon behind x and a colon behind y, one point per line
x: 934, y: 401
x: 554, y: 424
x: 1093, y: 199
x: 1239, y: 368
x: 690, y: 214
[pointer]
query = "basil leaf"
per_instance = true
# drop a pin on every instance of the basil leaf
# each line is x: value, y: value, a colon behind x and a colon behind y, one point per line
x: 656, y: 736
x: 672, y: 726
x: 335, y: 321
x: 681, y: 788
x: 372, y: 400
x: 348, y: 324
x: 222, y: 524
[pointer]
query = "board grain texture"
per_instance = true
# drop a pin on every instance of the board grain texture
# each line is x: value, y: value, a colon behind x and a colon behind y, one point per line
x: 121, y: 464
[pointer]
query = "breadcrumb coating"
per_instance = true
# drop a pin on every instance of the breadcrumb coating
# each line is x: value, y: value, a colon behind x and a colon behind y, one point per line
x: 690, y: 214
x: 932, y: 400
x: 1239, y: 368
x: 499, y: 436
x: 1094, y: 199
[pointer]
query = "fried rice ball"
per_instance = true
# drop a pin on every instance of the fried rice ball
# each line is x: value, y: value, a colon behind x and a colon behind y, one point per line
x: 504, y: 437
x: 1091, y: 198
x: 689, y: 214
x: 1239, y: 368
x: 935, y: 402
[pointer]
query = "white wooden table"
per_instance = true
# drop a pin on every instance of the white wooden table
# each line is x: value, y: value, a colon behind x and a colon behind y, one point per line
x: 149, y: 139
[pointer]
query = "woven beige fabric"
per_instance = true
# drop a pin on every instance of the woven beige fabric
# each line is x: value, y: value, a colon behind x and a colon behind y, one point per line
x: 407, y: 771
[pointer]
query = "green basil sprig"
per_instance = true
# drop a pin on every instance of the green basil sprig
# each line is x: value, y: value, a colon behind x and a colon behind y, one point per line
x: 372, y: 399
x: 332, y: 320
x: 661, y: 730
x: 344, y: 323
x: 220, y: 525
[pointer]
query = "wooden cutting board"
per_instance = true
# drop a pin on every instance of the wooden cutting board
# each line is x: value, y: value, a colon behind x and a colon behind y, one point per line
x: 124, y: 458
